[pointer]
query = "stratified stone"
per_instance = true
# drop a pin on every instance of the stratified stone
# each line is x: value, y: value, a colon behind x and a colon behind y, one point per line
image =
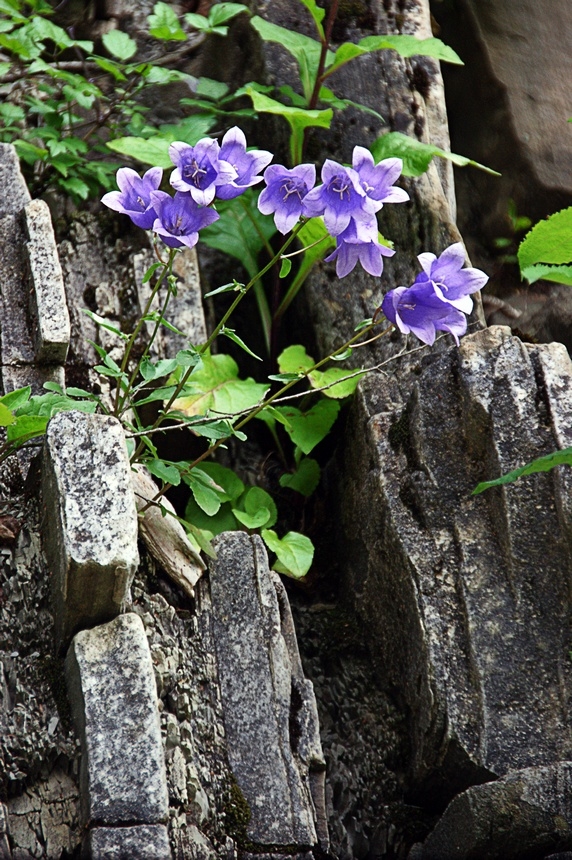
x: 14, y: 194
x: 526, y: 814
x: 466, y: 599
x: 90, y: 520
x: 113, y: 694
x: 256, y: 679
x: 5, y: 853
x: 145, y: 842
x: 48, y: 300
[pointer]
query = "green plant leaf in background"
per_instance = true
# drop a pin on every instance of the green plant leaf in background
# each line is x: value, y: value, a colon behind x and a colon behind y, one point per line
x: 164, y: 23
x: 541, y: 464
x: 214, y: 386
x: 548, y: 243
x: 297, y: 118
x: 294, y: 552
x: 119, y: 44
x: 417, y: 156
x: 406, y: 46
x: 305, y: 479
x: 307, y: 429
x: 295, y: 359
x: 257, y: 509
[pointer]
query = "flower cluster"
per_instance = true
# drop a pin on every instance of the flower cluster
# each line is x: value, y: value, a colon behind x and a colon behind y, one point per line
x: 439, y: 298
x: 202, y: 172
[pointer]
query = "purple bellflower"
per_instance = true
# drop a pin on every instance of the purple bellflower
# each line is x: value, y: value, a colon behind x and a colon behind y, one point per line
x: 359, y: 244
x: 339, y: 199
x: 180, y: 218
x: 199, y: 169
x: 246, y: 164
x: 134, y: 195
x: 285, y: 192
x: 377, y: 179
x: 451, y: 282
x: 419, y: 310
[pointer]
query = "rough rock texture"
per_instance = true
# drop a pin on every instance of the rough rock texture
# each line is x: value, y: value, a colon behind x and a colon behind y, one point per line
x: 90, y: 522
x: 49, y: 308
x: 144, y: 842
x: 114, y: 701
x: 259, y: 671
x: 467, y: 599
x: 526, y: 814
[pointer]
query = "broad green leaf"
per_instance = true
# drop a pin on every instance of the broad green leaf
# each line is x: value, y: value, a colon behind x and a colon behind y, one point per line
x: 197, y: 22
x: 549, y: 241
x: 231, y: 485
x: 294, y: 552
x: 164, y: 471
x: 14, y: 399
x: 298, y: 118
x: 223, y: 521
x: 295, y: 359
x: 6, y: 416
x: 417, y: 156
x: 541, y: 464
x: 222, y: 12
x: 305, y: 479
x: 295, y: 43
x: 308, y: 428
x: 154, y: 151
x: 215, y: 386
x: 257, y: 509
x: 406, y: 46
x: 342, y: 383
x: 207, y: 498
x: 211, y: 89
x: 540, y: 272
x: 241, y: 231
x: 164, y: 24
x: 75, y: 186
x: 328, y: 97
x: 119, y: 44
x: 110, y: 67
x: 27, y: 427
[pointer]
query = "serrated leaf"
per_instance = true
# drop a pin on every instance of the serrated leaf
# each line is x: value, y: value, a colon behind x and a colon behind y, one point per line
x: 417, y: 156
x: 294, y: 552
x: 307, y: 429
x: 305, y: 479
x: 164, y: 24
x: 541, y: 272
x: 215, y: 386
x: 119, y: 44
x: 549, y: 241
x: 541, y: 464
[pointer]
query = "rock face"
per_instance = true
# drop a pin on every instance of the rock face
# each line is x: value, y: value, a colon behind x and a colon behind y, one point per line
x: 467, y: 599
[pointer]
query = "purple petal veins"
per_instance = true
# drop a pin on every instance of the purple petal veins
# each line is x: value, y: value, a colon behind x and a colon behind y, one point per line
x: 246, y: 164
x: 285, y: 193
x: 180, y: 218
x: 134, y: 195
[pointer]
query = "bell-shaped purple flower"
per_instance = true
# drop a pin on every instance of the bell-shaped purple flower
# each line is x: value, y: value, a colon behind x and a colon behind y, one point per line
x: 359, y: 244
x: 199, y: 169
x: 285, y: 193
x: 134, y: 195
x: 246, y: 164
x: 180, y: 218
x: 419, y: 310
x: 339, y: 199
x: 377, y: 179
x: 451, y: 282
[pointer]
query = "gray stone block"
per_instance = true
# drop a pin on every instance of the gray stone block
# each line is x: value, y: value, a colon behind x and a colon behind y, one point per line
x: 14, y: 194
x: 146, y: 842
x: 90, y: 520
x: 526, y: 814
x: 113, y: 694
x: 256, y: 678
x: 51, y: 321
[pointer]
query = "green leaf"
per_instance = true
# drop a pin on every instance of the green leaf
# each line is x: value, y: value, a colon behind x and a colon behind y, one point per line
x: 15, y: 399
x: 222, y: 12
x: 119, y: 44
x: 285, y: 267
x: 27, y: 427
x: 298, y: 118
x: 294, y: 552
x: 241, y: 231
x: 540, y: 272
x: 417, y: 156
x: 232, y: 335
x: 167, y: 473
x: 211, y: 89
x: 214, y: 386
x: 164, y: 24
x: 229, y: 482
x: 223, y: 521
x: 307, y: 429
x: 549, y: 241
x: 75, y: 186
x: 110, y: 67
x: 406, y: 46
x: 541, y: 464
x: 154, y: 151
x: 342, y: 384
x: 6, y: 416
x: 206, y: 497
x: 305, y: 479
x: 257, y: 509
x: 295, y: 359
x: 317, y: 14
